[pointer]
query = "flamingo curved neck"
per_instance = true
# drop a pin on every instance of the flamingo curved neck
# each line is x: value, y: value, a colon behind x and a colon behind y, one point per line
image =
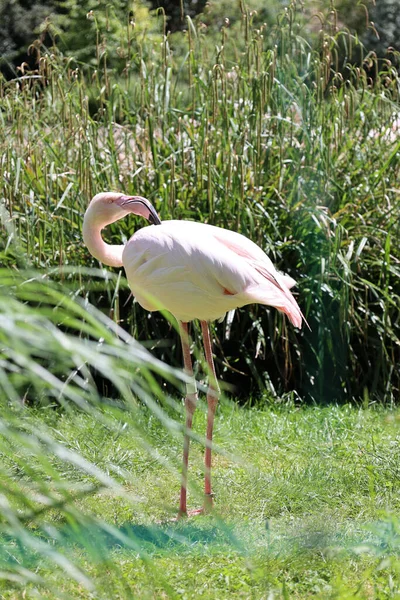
x: 106, y: 253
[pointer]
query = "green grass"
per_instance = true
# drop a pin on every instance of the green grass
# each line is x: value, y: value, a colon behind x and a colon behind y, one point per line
x: 305, y: 505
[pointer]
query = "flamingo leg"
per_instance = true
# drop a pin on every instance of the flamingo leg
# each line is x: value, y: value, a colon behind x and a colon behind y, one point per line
x: 190, y: 406
x: 213, y: 394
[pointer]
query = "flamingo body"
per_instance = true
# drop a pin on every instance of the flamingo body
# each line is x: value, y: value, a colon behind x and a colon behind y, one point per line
x: 198, y: 271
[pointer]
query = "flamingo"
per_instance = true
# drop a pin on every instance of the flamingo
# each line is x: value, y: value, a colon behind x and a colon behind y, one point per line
x: 195, y: 271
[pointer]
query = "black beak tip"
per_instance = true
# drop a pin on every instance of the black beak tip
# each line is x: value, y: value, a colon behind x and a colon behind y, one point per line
x: 154, y: 219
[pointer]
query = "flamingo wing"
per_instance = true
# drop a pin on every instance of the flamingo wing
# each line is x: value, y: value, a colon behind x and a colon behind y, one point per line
x: 273, y: 288
x: 201, y: 271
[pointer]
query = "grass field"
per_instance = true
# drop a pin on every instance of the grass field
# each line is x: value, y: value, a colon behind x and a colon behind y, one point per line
x: 306, y: 505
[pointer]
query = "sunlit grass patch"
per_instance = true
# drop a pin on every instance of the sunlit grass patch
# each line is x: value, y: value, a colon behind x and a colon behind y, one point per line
x: 309, y: 519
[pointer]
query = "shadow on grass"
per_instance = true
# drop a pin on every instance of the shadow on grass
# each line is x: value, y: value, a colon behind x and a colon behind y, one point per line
x: 179, y: 537
x: 99, y: 539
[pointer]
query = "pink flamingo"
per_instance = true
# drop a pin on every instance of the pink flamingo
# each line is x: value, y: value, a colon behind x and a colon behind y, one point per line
x: 195, y: 271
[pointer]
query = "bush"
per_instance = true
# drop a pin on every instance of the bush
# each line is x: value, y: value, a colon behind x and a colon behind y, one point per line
x: 274, y: 145
x: 18, y: 22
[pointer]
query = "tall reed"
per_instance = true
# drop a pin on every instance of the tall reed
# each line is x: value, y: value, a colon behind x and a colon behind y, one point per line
x: 279, y: 138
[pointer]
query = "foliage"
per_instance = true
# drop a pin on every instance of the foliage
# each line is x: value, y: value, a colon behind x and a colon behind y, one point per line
x: 176, y: 11
x: 107, y: 32
x: 93, y: 32
x: 97, y: 29
x: 18, y: 22
x: 386, y: 22
x: 273, y: 145
x: 50, y: 343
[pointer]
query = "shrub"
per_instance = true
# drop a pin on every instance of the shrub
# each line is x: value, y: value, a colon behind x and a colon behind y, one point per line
x: 274, y: 144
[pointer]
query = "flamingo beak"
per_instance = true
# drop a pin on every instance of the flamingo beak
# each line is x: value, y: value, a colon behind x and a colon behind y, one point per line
x: 139, y: 206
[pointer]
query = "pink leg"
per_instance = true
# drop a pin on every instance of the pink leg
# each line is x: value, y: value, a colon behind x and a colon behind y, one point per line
x: 190, y: 405
x: 213, y: 394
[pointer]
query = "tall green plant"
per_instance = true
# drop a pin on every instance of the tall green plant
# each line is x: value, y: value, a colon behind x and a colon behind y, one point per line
x: 52, y: 344
x: 270, y: 141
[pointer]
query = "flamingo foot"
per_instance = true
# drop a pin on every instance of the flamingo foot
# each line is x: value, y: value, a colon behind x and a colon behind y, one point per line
x: 187, y: 514
x: 204, y: 510
x: 195, y: 512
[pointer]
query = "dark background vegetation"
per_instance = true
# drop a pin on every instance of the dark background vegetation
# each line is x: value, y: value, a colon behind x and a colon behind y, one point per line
x: 21, y: 21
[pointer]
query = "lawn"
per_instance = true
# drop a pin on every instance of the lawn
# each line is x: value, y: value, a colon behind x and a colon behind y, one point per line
x: 306, y: 499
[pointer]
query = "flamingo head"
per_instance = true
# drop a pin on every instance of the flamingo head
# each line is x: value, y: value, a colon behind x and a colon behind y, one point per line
x: 108, y: 207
